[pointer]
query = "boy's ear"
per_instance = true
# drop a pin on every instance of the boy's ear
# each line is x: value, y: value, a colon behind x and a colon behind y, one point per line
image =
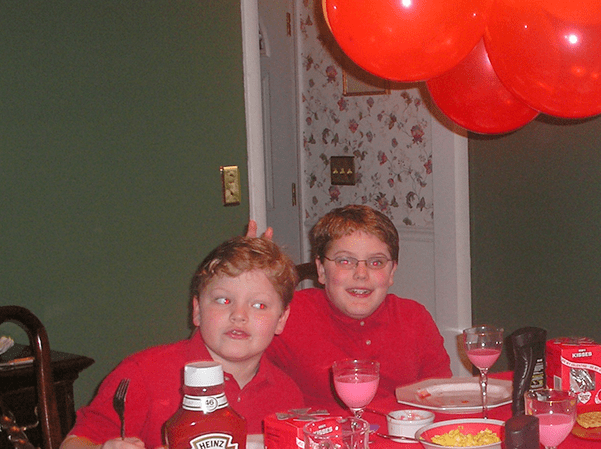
x: 282, y: 321
x: 321, y: 271
x: 195, y: 311
x: 391, y: 279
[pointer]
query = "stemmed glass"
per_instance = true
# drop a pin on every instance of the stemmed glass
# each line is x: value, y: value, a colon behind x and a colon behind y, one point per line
x: 483, y: 347
x: 356, y: 382
x: 556, y: 413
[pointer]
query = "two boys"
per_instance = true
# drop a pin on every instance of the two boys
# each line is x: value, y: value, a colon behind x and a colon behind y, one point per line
x: 241, y: 298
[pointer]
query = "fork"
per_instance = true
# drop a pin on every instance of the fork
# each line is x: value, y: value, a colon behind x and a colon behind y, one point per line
x: 119, y: 403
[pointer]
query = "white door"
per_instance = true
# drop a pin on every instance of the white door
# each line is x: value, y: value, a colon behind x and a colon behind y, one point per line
x: 279, y: 117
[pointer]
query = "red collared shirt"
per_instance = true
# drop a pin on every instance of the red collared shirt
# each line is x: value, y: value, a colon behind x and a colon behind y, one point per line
x: 400, y: 334
x: 155, y: 393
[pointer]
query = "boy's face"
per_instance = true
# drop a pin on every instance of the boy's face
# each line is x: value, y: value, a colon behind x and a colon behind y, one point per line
x: 238, y: 316
x: 356, y: 292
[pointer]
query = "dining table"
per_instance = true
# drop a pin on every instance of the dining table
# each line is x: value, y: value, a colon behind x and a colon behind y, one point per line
x: 502, y: 413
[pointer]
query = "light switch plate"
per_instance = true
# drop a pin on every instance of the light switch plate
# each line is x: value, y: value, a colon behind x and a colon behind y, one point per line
x: 230, y: 185
x: 342, y: 170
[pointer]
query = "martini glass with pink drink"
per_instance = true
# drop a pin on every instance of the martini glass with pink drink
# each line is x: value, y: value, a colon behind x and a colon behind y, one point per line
x: 356, y: 382
x: 483, y: 347
x: 556, y: 413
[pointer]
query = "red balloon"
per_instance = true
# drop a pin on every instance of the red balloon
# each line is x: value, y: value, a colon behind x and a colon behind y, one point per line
x: 472, y: 96
x: 548, y: 54
x: 581, y: 12
x: 407, y: 40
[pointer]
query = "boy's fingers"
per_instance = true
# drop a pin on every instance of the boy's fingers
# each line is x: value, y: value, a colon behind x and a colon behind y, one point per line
x: 252, y: 229
x: 127, y: 443
x: 268, y: 234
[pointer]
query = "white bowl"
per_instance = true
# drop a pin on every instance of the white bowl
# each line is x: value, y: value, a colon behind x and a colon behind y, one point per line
x: 405, y: 423
x: 467, y: 426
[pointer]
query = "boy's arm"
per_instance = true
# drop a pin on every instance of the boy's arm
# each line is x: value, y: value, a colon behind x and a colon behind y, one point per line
x: 75, y: 442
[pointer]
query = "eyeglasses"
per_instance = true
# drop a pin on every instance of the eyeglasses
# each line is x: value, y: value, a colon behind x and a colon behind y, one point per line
x: 351, y: 263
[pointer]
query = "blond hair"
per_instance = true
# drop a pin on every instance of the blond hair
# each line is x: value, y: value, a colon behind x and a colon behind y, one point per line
x: 241, y: 254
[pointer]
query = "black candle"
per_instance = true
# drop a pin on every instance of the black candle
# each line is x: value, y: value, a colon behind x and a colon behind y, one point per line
x: 521, y: 432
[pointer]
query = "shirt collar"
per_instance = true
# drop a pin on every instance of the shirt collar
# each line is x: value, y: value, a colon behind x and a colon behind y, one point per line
x: 375, y: 319
x: 198, y: 351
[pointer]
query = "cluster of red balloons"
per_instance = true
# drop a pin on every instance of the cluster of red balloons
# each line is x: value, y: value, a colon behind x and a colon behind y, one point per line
x: 490, y: 65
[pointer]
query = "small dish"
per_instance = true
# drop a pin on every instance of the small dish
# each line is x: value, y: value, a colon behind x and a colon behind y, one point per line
x: 590, y: 433
x: 405, y: 423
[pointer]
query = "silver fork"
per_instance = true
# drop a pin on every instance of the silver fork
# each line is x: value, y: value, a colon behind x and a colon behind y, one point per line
x: 119, y: 403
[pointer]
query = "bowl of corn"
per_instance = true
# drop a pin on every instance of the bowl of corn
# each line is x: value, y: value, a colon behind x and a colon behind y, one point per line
x: 475, y: 433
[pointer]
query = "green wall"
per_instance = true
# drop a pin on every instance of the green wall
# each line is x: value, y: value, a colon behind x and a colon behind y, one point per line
x: 115, y: 118
x: 535, y: 207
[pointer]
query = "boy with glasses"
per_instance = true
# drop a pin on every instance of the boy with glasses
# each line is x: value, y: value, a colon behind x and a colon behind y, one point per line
x: 356, y: 250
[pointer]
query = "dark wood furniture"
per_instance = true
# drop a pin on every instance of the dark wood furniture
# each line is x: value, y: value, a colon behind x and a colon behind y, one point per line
x: 18, y: 390
x: 46, y: 400
x: 307, y: 271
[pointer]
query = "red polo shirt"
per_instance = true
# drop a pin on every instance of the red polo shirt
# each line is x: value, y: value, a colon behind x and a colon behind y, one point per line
x: 400, y: 334
x: 155, y: 393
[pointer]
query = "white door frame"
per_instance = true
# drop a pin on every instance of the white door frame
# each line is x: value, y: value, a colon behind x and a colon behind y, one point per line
x: 451, y: 195
x: 254, y: 112
x: 452, y: 262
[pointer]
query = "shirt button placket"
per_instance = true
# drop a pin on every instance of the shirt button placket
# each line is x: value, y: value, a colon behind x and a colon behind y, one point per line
x: 362, y: 324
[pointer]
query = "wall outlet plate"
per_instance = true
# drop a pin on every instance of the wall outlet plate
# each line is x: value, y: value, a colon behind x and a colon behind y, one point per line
x: 230, y: 185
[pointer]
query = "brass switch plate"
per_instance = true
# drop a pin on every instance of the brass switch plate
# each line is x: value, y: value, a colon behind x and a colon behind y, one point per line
x: 230, y: 185
x: 342, y: 170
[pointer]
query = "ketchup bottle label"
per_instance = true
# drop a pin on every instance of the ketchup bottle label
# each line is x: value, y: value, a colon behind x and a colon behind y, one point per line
x: 213, y: 440
x: 207, y: 404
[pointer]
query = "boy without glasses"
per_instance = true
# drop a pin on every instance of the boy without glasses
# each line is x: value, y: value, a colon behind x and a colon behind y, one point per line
x: 240, y: 299
x: 356, y: 250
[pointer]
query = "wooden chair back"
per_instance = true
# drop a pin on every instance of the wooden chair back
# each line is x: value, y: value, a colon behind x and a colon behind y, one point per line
x: 307, y: 271
x: 47, y: 408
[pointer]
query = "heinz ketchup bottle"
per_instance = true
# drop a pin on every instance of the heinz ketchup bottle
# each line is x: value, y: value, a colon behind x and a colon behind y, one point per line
x: 205, y: 419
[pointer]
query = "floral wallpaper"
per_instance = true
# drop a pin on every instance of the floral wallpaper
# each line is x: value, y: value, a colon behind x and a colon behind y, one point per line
x: 389, y: 135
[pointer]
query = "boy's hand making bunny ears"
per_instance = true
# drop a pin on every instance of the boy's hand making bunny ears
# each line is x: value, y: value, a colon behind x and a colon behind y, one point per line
x: 252, y: 231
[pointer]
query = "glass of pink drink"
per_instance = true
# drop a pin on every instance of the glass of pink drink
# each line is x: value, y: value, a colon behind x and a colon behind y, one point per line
x: 556, y: 413
x: 356, y: 382
x: 483, y: 347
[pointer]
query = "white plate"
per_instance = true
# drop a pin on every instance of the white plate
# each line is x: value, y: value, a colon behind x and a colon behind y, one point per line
x: 254, y: 441
x: 454, y: 395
